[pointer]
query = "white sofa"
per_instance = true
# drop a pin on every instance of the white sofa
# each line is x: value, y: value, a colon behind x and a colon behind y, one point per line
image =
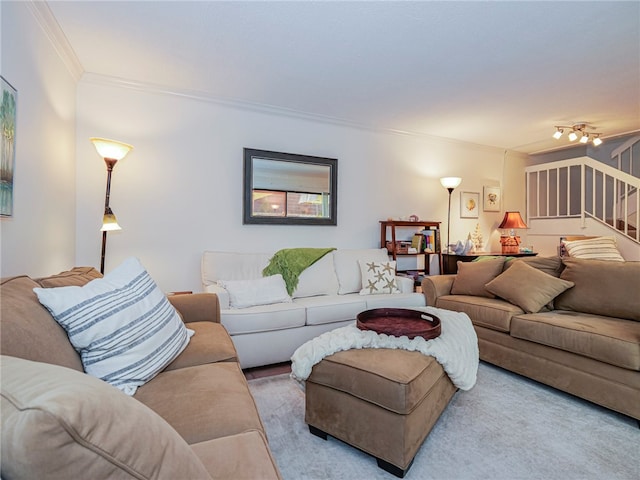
x: 327, y: 297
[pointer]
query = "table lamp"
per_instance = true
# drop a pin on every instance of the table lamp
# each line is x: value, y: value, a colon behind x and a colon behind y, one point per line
x: 511, y: 242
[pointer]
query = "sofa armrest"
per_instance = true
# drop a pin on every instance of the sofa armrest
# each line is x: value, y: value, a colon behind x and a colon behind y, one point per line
x: 435, y: 286
x: 197, y: 307
x: 223, y: 295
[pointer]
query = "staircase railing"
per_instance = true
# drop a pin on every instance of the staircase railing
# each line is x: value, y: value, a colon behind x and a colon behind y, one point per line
x: 584, y: 187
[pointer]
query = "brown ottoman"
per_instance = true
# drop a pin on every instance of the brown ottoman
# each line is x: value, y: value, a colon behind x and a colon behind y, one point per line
x: 381, y: 401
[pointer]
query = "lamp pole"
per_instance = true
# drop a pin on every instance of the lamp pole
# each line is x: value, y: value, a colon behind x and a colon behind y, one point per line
x: 111, y: 162
x: 450, y: 189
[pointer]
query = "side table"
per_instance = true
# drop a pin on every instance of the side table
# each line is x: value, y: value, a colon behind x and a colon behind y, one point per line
x: 450, y: 260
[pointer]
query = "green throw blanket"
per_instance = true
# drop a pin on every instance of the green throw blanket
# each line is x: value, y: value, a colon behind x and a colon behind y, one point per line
x: 291, y: 262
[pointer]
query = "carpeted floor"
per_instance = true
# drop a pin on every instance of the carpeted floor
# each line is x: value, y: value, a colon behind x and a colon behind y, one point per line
x: 506, y: 427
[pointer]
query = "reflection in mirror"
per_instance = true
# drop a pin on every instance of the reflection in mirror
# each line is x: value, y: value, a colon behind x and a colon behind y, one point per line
x: 282, y: 188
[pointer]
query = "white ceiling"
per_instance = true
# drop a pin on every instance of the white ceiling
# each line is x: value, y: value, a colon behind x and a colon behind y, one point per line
x: 492, y: 73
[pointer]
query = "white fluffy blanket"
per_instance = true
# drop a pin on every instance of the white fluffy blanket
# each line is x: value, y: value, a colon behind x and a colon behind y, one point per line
x: 456, y: 349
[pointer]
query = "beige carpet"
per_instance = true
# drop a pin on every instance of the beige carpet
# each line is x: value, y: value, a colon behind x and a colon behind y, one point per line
x: 506, y: 427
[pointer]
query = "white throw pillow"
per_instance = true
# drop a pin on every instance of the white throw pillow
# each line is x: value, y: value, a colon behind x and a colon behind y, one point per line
x: 259, y: 291
x: 123, y: 326
x: 378, y: 277
x: 348, y: 268
x: 599, y: 248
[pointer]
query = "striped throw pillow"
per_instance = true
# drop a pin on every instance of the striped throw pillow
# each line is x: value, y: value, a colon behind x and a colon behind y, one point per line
x: 123, y: 326
x: 599, y: 248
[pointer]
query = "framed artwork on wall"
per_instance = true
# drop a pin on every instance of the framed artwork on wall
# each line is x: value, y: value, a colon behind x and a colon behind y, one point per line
x: 7, y: 147
x: 469, y: 204
x: 491, y: 199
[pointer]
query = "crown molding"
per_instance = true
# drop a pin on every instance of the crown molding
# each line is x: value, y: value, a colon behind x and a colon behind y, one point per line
x: 49, y: 25
x: 99, y: 79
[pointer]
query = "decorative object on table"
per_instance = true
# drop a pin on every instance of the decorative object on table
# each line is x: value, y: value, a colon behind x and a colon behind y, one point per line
x: 450, y: 183
x: 469, y: 204
x: 461, y: 248
x: 476, y: 237
x: 511, y: 242
x: 399, y: 322
x: 8, y: 155
x: 491, y: 199
x: 111, y: 151
x: 414, y: 218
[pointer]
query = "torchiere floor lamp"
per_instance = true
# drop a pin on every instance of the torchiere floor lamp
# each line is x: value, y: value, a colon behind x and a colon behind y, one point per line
x: 450, y: 183
x: 111, y: 151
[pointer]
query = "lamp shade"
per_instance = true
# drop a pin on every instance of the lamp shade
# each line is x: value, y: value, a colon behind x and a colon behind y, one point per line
x: 110, y: 148
x: 450, y: 182
x: 512, y: 220
x: 109, y: 221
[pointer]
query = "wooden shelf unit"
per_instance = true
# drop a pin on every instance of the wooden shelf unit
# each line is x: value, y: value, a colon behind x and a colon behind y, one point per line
x: 392, y: 225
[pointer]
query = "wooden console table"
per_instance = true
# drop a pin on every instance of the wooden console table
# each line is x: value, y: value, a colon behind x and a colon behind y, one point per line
x: 450, y: 260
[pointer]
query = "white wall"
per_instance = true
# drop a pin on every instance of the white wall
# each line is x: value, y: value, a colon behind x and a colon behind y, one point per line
x: 179, y: 192
x: 40, y: 237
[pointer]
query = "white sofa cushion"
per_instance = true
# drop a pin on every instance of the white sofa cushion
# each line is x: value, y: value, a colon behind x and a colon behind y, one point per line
x: 348, y: 268
x: 332, y: 308
x: 263, y: 318
x: 318, y: 279
x: 395, y: 300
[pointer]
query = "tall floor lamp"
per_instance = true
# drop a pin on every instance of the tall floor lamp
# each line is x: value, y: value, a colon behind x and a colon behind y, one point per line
x: 111, y: 151
x: 450, y: 183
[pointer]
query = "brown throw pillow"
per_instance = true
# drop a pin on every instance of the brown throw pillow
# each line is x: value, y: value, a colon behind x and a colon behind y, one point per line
x: 527, y: 287
x: 473, y: 276
x: 60, y: 423
x: 602, y: 288
x: 77, y: 276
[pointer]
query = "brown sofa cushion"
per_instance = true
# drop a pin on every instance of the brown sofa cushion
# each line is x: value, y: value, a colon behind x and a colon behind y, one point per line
x: 28, y: 329
x: 602, y: 288
x: 59, y: 423
x: 77, y: 276
x: 606, y: 339
x: 473, y: 276
x: 211, y: 343
x: 217, y: 403
x: 226, y: 457
x: 529, y: 288
x: 551, y: 265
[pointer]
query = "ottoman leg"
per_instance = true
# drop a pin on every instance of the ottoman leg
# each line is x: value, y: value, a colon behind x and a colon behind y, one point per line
x: 317, y: 432
x: 392, y: 469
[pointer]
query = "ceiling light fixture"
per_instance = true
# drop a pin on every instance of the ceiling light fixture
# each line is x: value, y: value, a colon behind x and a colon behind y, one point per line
x: 578, y: 130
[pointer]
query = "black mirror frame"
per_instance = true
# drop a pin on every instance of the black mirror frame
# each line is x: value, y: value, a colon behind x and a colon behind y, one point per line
x: 249, y: 219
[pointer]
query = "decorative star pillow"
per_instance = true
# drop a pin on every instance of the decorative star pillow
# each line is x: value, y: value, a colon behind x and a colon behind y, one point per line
x: 378, y: 277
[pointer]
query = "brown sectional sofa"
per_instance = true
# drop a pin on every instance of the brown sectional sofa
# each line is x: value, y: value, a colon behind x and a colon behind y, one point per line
x: 585, y: 341
x: 196, y: 419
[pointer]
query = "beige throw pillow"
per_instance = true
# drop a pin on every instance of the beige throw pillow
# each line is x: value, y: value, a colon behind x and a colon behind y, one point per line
x: 599, y: 248
x: 527, y: 287
x: 473, y: 276
x: 58, y: 423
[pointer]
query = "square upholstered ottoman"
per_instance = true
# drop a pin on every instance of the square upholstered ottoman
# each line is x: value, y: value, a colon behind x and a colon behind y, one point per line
x: 382, y: 401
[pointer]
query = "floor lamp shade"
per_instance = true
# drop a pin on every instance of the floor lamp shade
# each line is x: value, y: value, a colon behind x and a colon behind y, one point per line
x: 111, y: 151
x: 450, y: 183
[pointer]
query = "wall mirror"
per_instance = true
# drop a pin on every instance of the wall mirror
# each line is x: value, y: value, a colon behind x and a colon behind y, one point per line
x: 289, y: 189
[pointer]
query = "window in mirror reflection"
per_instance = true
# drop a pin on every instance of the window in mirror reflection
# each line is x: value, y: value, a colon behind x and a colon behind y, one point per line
x: 288, y: 188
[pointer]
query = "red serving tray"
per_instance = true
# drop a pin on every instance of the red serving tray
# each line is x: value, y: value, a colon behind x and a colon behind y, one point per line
x: 399, y: 322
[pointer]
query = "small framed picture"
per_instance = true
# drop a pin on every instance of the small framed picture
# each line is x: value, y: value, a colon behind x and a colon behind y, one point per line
x: 491, y: 199
x: 469, y: 204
